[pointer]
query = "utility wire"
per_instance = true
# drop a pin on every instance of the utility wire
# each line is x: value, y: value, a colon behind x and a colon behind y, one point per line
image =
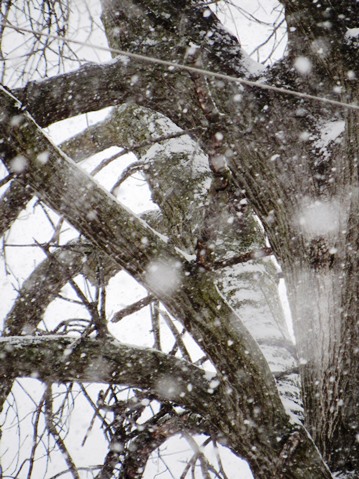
x: 200, y: 71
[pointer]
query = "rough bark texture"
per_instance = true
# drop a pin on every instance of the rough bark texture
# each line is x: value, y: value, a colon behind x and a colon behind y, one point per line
x: 61, y: 359
x: 194, y: 300
x: 263, y: 148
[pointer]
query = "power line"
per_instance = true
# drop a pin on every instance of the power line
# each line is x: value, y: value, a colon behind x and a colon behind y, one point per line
x: 180, y: 66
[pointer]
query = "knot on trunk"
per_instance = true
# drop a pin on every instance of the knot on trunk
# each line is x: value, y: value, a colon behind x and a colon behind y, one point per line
x: 320, y: 255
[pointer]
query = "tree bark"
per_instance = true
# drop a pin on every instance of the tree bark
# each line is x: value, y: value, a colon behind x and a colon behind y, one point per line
x: 273, y: 146
x: 55, y: 358
x: 194, y: 300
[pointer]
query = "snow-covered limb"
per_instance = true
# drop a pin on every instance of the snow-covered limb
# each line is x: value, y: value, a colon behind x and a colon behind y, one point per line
x: 246, y: 386
x: 55, y: 358
x: 120, y: 233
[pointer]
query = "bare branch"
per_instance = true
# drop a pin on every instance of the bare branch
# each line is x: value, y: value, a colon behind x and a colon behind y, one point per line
x: 42, y: 286
x: 243, y: 258
x: 53, y: 431
x: 176, y: 334
x: 132, y: 308
x: 61, y: 359
x: 12, y: 202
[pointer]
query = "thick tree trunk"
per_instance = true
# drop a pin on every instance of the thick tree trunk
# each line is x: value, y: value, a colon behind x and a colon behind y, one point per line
x: 302, y: 187
x: 252, y: 412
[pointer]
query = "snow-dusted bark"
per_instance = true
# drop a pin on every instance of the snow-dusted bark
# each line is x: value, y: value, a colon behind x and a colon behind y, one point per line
x: 252, y: 290
x: 180, y: 180
x: 64, y: 359
x: 192, y: 298
x: 278, y: 151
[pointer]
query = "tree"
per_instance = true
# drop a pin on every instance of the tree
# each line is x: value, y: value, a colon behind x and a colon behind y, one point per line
x: 217, y: 155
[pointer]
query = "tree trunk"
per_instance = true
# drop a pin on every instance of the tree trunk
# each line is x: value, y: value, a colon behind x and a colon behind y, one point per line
x: 278, y: 153
x: 252, y: 412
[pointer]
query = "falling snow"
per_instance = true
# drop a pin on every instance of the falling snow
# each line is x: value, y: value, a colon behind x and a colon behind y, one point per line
x: 303, y: 65
x: 19, y: 164
x: 319, y: 218
x: 163, y: 276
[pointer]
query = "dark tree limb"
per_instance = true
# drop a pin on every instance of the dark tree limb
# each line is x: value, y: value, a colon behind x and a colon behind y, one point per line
x: 53, y: 358
x: 112, y: 83
x: 243, y: 258
x: 192, y: 297
x: 12, y: 202
x: 132, y: 308
x: 42, y: 286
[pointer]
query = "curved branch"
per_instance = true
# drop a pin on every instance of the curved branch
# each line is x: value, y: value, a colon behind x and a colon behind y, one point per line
x: 112, y: 82
x: 155, y: 432
x: 12, y: 202
x: 192, y: 296
x: 41, y: 287
x: 62, y: 359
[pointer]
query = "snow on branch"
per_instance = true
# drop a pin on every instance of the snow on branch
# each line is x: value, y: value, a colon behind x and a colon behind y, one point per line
x: 189, y: 295
x: 54, y: 358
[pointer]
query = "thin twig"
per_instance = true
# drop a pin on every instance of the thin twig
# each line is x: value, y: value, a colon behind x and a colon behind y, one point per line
x: 6, y: 179
x: 127, y: 172
x: 53, y: 431
x: 132, y: 308
x: 243, y: 258
x: 176, y: 334
x: 35, y: 435
x: 155, y: 320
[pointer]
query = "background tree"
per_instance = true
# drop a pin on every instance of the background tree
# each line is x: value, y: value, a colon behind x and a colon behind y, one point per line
x: 217, y: 155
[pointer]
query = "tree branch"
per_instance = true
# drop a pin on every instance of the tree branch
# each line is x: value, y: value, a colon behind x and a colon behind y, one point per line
x: 12, y: 202
x: 55, y: 358
x: 132, y: 308
x: 55, y: 434
x: 243, y: 258
x: 42, y: 286
x: 191, y: 296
